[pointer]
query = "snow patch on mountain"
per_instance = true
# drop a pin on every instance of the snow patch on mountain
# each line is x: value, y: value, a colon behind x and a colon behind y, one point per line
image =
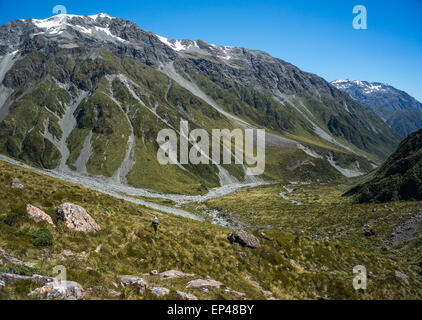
x: 178, y: 45
x: 58, y: 24
x: 365, y: 87
x: 189, y: 45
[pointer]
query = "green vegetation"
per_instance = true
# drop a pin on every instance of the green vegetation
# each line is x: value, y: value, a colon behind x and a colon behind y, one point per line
x: 42, y: 238
x: 21, y: 132
x: 23, y: 270
x: 127, y: 244
x: 146, y: 100
x: 399, y: 178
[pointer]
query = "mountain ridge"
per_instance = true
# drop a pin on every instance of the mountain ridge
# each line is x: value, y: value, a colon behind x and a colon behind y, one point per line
x: 105, y: 73
x: 397, y: 108
x: 399, y: 178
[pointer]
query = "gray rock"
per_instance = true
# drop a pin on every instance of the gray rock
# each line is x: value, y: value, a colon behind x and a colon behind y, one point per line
x: 2, y: 284
x: 240, y: 294
x: 114, y: 293
x: 242, y: 254
x: 402, y: 276
x: 407, y: 229
x: 134, y: 281
x: 201, y: 283
x: 52, y: 291
x: 16, y: 184
x: 159, y: 291
x: 11, y: 278
x: 5, y: 258
x: 244, y: 239
x: 75, y: 217
x: 38, y: 215
x: 293, y: 262
x: 186, y: 296
x: 173, y: 274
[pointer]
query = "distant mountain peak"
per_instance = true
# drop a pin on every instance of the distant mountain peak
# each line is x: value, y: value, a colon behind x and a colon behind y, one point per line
x: 398, y: 109
x: 366, y: 87
x: 97, y: 25
x: 388, y: 96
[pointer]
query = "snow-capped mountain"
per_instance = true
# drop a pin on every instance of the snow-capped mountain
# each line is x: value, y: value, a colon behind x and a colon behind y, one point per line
x: 90, y: 93
x: 397, y: 108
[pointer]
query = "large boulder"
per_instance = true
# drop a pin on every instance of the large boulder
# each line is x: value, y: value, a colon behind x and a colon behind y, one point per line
x: 53, y: 291
x: 244, y: 239
x: 38, y: 215
x: 75, y: 217
x: 134, y: 281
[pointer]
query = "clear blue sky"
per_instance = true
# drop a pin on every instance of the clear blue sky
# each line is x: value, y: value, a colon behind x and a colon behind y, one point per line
x: 316, y: 36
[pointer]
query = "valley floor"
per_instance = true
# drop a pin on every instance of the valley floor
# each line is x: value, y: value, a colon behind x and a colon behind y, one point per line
x: 311, y: 239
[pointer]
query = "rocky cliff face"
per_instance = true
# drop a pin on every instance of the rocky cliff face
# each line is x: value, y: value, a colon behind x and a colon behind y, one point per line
x: 399, y: 110
x: 90, y: 93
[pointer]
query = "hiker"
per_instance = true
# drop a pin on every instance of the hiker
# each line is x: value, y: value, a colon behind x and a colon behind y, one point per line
x: 155, y: 224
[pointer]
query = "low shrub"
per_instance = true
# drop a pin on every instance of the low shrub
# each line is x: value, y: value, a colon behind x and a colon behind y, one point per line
x: 42, y: 238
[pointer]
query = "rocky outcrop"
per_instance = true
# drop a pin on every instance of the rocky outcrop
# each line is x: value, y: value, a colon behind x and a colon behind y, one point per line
x: 53, y: 291
x: 134, y: 281
x: 186, y: 296
x: 237, y: 293
x: 159, y: 291
x: 75, y: 217
x: 407, y: 229
x: 6, y: 258
x: 173, y: 274
x: 201, y: 283
x: 16, y: 184
x: 11, y: 278
x: 38, y: 215
x: 244, y: 239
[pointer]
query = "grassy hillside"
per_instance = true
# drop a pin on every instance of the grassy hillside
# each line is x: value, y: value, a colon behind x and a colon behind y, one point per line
x: 289, y: 263
x: 399, y: 178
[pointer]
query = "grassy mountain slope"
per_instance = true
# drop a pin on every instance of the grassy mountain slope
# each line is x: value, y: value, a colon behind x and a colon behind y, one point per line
x: 405, y: 121
x: 155, y: 103
x: 126, y: 245
x: 95, y: 101
x: 399, y: 178
x: 275, y: 94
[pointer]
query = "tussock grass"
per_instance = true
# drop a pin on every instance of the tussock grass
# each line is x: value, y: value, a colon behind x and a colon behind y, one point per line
x: 127, y: 245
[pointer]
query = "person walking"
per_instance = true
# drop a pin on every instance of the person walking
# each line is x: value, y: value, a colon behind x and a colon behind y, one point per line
x: 155, y: 224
